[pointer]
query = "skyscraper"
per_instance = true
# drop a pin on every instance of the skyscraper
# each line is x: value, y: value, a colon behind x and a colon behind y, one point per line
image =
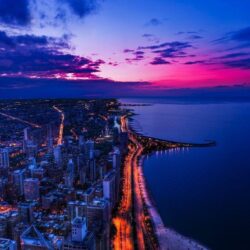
x: 7, y: 244
x: 4, y: 158
x: 79, y: 229
x: 18, y: 180
x: 109, y: 188
x: 31, y: 189
x: 25, y: 210
x: 70, y: 174
x: 32, y: 239
x: 49, y: 138
x: 90, y: 146
x: 117, y: 167
x: 116, y: 158
x: 76, y: 208
x: 98, y: 212
x: 3, y: 185
x: 26, y: 134
x: 81, y: 140
x: 98, y: 218
x: 58, y: 155
x: 92, y: 170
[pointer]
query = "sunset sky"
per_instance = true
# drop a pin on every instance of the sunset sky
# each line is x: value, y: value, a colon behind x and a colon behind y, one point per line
x: 121, y: 47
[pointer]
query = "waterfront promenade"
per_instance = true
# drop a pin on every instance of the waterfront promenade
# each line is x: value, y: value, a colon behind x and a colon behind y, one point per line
x: 138, y: 223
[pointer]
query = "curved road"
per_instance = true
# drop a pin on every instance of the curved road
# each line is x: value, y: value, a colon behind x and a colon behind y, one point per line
x: 61, y: 127
x: 131, y: 206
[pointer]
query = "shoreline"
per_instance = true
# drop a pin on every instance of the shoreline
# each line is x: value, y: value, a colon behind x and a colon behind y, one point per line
x: 168, y: 238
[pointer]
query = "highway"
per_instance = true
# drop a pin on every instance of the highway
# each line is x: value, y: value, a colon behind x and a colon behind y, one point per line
x: 20, y: 120
x: 124, y: 235
x: 124, y: 238
x: 138, y: 223
x: 138, y: 202
x: 131, y: 206
x: 61, y: 127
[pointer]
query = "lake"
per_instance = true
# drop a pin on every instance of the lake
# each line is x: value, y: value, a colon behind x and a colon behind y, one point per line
x: 202, y: 193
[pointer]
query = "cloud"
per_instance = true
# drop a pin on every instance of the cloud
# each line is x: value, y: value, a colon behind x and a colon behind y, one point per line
x: 241, y: 36
x: 171, y: 52
x: 138, y: 55
x: 241, y: 63
x: 150, y: 37
x: 19, y: 87
x: 175, y: 44
x: 47, y: 12
x: 42, y: 56
x: 147, y: 35
x: 139, y: 52
x: 154, y: 22
x: 81, y: 8
x: 159, y: 61
x: 233, y: 55
x: 22, y: 88
x: 187, y: 32
x: 15, y: 12
x: 195, y: 37
x: 174, y: 49
x: 239, y: 60
x: 195, y: 62
x: 128, y: 50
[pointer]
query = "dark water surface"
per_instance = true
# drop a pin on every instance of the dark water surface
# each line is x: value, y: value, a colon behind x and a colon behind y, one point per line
x: 203, y: 193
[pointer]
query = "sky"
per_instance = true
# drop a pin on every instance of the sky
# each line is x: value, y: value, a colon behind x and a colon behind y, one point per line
x: 57, y: 48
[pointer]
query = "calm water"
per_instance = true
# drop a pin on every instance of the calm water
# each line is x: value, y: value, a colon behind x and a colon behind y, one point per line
x: 203, y: 193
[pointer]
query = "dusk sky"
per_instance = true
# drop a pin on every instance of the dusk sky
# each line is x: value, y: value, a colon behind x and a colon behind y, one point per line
x: 121, y: 47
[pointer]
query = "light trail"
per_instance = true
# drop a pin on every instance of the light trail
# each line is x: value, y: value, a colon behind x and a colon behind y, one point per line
x: 133, y: 193
x: 148, y: 230
x: 20, y: 120
x: 145, y: 234
x: 74, y: 133
x: 138, y: 202
x: 123, y: 239
x: 61, y: 127
x: 105, y: 118
x: 124, y: 125
x: 5, y: 209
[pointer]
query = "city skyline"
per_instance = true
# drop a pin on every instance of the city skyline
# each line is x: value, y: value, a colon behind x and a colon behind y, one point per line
x: 64, y: 48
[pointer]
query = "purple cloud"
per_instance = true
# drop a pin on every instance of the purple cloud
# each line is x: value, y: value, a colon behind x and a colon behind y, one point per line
x: 241, y: 36
x: 175, y: 45
x: 169, y: 49
x: 20, y: 12
x: 241, y: 63
x: 154, y: 22
x: 195, y: 37
x: 195, y: 62
x: 81, y: 8
x: 138, y: 56
x: 19, y: 87
x: 128, y: 50
x: 15, y: 12
x: 41, y: 56
x: 159, y: 61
